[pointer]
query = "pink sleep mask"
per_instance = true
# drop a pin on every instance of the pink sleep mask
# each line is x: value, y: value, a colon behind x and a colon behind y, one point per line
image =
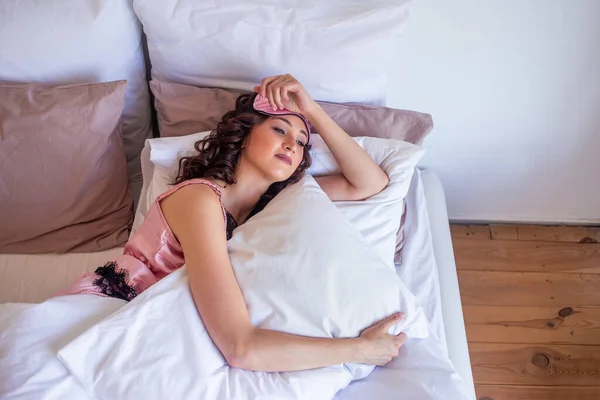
x: 262, y: 105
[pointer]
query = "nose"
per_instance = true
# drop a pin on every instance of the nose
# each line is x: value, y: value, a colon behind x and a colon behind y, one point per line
x: 289, y: 145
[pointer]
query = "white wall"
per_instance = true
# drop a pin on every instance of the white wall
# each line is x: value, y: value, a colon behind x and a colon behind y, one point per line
x: 514, y: 90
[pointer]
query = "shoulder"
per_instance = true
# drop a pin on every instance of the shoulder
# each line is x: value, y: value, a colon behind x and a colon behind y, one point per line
x: 192, y: 193
x: 193, y: 208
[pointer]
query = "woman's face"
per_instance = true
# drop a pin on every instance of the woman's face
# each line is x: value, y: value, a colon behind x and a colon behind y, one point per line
x: 276, y: 146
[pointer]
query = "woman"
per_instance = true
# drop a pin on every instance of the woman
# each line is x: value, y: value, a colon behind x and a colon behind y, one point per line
x: 256, y: 150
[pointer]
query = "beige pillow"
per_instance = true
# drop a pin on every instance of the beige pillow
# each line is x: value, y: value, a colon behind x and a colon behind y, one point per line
x: 63, y: 175
x: 184, y: 109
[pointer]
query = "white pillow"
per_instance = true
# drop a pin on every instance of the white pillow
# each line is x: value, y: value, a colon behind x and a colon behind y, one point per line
x: 80, y: 41
x: 339, y: 49
x: 161, y: 156
x: 302, y: 269
x: 377, y: 218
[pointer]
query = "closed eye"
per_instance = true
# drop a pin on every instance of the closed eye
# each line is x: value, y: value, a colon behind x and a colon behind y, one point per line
x: 282, y: 132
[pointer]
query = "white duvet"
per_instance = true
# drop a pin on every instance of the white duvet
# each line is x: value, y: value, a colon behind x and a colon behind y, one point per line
x: 32, y: 334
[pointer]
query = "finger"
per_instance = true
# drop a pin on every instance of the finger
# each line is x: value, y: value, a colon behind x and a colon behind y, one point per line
x: 292, y: 84
x: 401, y: 338
x: 277, y: 96
x: 273, y: 91
x: 391, y: 321
x: 284, y: 92
x: 271, y: 97
x: 257, y: 89
x: 295, y: 93
x: 264, y: 83
x: 276, y: 86
x: 291, y: 80
x: 292, y: 88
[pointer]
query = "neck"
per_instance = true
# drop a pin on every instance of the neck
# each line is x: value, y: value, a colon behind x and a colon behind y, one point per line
x: 240, y: 198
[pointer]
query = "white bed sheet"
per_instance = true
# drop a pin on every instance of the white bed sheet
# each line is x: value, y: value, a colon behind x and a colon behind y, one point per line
x: 422, y: 371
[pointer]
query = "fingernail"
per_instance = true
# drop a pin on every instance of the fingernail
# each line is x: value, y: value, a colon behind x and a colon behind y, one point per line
x: 274, y: 108
x: 400, y: 315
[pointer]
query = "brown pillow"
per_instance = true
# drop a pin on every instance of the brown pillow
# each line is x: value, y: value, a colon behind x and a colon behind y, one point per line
x: 63, y: 175
x: 184, y: 109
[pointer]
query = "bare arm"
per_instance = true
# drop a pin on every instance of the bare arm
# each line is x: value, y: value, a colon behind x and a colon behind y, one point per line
x: 360, y: 176
x: 194, y: 215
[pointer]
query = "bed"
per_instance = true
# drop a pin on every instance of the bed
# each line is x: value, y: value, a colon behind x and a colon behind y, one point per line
x: 189, y: 49
x: 432, y: 278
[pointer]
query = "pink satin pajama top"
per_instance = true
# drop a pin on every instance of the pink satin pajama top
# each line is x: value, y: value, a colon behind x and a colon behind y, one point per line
x: 151, y: 253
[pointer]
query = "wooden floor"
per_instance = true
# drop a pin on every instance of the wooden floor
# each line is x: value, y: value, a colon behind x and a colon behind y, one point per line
x: 531, y: 300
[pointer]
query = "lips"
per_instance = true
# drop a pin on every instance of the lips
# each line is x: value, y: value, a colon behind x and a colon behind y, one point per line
x: 284, y: 158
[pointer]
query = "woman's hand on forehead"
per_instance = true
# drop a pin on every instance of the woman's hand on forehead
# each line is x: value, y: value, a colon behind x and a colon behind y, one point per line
x: 285, y: 92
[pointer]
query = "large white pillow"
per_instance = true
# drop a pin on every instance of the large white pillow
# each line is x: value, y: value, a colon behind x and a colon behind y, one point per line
x: 80, y: 41
x: 377, y: 218
x: 302, y: 268
x: 339, y: 49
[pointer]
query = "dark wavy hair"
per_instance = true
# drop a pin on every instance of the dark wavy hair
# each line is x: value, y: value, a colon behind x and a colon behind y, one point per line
x: 219, y: 152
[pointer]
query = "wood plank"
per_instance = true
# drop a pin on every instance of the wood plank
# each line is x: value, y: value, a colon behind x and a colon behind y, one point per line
x: 501, y: 255
x: 497, y: 392
x: 579, y: 325
x: 470, y: 231
x: 575, y: 234
x: 504, y: 232
x: 526, y: 364
x: 482, y: 288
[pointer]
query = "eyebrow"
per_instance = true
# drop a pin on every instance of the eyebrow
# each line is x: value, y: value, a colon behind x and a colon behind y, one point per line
x: 290, y: 124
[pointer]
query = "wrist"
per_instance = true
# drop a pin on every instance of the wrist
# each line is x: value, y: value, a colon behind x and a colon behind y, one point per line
x: 312, y: 111
x: 357, y: 350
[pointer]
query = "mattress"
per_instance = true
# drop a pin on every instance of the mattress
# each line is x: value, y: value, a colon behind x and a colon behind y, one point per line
x: 32, y: 278
x: 427, y: 268
x: 449, y: 300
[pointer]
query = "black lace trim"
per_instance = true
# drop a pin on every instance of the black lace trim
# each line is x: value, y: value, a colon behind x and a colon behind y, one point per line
x: 112, y: 281
x: 231, y: 225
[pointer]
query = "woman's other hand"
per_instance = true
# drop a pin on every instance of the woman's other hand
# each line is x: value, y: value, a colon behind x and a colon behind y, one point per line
x: 284, y: 91
x: 377, y: 347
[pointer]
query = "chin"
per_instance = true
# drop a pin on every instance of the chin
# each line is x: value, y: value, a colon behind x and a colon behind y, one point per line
x: 278, y: 176
x: 281, y: 178
x: 278, y: 173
